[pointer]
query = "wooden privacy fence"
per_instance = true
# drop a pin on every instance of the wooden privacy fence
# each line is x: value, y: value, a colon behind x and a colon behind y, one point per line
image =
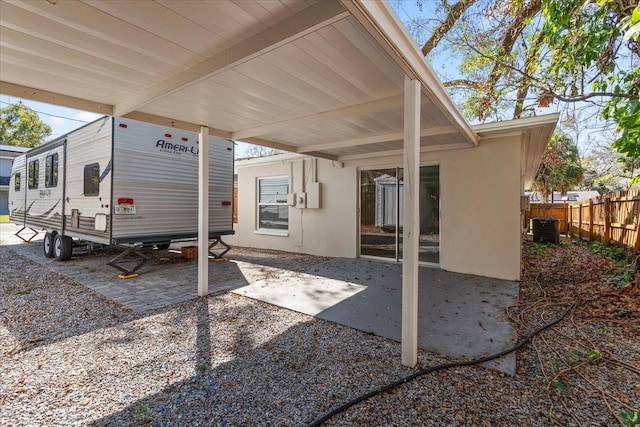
x: 549, y: 210
x: 611, y: 219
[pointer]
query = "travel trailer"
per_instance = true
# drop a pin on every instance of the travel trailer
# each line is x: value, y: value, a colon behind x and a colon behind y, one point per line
x: 120, y: 182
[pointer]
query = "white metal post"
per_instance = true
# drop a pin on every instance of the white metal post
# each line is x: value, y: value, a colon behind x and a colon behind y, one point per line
x: 411, y: 222
x: 203, y: 212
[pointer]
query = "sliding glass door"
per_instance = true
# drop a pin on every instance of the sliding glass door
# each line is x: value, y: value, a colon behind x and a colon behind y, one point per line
x: 381, y: 204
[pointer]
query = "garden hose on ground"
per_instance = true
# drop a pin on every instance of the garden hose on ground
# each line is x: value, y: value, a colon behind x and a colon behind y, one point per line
x: 406, y: 379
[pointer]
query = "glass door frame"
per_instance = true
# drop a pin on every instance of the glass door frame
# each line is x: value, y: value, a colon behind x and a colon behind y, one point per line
x: 397, y: 258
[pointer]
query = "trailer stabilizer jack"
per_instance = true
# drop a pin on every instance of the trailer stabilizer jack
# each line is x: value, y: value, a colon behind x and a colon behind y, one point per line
x: 28, y: 238
x: 218, y: 256
x: 139, y: 262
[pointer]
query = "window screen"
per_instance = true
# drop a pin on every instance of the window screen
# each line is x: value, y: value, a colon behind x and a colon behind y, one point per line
x: 92, y: 179
x: 273, y: 211
x: 51, y: 171
x: 16, y: 182
x: 34, y: 171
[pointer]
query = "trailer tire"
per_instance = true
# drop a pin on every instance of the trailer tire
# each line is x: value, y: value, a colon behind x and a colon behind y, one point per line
x: 47, y: 244
x: 62, y: 247
x: 163, y: 245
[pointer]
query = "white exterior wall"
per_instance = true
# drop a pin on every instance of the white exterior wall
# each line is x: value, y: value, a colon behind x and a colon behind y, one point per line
x: 330, y: 230
x: 480, y: 192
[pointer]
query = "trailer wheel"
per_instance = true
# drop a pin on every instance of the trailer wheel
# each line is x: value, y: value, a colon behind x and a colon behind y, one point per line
x: 47, y: 244
x: 62, y: 247
x: 163, y: 245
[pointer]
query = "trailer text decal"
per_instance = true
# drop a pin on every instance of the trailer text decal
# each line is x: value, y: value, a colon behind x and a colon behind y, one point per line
x: 170, y: 147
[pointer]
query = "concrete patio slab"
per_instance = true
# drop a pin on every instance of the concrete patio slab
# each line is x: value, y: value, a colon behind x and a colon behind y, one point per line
x: 459, y: 315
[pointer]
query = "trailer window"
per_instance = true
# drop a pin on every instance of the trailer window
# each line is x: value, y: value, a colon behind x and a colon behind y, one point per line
x: 16, y: 181
x: 273, y: 211
x: 92, y: 179
x: 34, y: 171
x: 51, y: 171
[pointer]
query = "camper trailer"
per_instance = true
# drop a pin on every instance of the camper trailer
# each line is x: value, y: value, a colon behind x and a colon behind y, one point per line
x: 120, y: 182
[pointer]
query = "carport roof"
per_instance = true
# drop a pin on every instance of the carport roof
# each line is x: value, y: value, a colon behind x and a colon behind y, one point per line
x: 323, y: 78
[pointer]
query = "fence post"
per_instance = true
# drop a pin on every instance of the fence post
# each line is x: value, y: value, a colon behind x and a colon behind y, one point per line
x: 590, y: 220
x: 636, y: 243
x: 607, y: 221
x: 580, y: 222
x: 570, y: 221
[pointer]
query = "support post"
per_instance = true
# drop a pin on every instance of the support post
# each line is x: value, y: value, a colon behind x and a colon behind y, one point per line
x: 411, y: 222
x: 203, y: 212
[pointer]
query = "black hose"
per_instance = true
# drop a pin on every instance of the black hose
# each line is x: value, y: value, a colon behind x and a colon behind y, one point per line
x: 404, y: 380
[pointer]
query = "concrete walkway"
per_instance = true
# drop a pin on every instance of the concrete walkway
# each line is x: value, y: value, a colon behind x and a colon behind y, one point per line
x: 459, y: 315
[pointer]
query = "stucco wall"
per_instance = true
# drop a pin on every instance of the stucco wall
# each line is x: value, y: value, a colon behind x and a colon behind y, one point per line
x: 330, y: 230
x: 479, y: 213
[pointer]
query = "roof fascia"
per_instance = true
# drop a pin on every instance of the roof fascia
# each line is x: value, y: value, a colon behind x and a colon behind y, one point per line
x: 518, y: 125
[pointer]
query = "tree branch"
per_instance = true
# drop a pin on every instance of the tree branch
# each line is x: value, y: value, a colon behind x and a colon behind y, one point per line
x: 510, y: 36
x: 454, y: 13
x: 472, y: 84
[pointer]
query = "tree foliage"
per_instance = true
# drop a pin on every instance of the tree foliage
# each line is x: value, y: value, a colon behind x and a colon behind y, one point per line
x: 560, y: 169
x: 20, y: 126
x: 516, y: 57
x: 261, y: 151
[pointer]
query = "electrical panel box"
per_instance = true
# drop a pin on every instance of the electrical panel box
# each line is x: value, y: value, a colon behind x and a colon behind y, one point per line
x: 301, y: 200
x: 313, y: 195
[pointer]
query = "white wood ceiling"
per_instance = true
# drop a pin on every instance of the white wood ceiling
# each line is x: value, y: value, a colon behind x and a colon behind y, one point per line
x: 318, y: 77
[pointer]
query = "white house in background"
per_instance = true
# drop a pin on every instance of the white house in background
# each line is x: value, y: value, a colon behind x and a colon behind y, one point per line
x: 469, y: 202
x: 570, y: 197
x: 7, y: 154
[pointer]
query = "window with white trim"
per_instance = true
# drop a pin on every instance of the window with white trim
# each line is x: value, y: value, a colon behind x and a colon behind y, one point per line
x: 273, y: 211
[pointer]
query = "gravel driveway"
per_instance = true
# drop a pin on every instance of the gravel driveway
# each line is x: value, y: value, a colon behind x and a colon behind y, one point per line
x: 69, y: 356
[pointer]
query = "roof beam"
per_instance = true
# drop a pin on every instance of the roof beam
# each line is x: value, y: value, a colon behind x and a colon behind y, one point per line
x: 440, y: 130
x: 53, y: 98
x: 385, y: 104
x: 423, y: 149
x: 169, y: 122
x: 309, y: 20
x: 193, y: 127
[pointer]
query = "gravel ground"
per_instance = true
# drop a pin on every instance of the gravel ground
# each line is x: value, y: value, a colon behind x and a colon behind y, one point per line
x: 69, y: 356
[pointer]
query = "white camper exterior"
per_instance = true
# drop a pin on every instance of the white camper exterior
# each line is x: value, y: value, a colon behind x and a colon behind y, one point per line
x: 118, y: 181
